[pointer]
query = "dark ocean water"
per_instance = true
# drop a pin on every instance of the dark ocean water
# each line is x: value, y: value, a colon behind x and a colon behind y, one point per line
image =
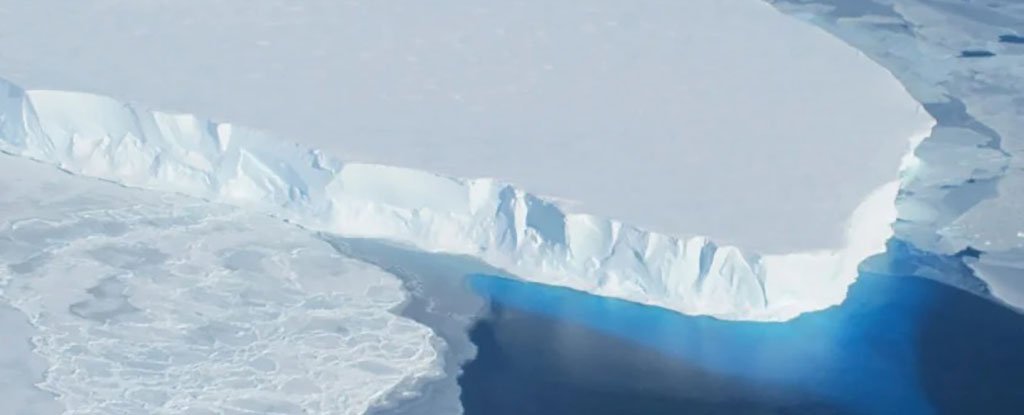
x: 898, y: 345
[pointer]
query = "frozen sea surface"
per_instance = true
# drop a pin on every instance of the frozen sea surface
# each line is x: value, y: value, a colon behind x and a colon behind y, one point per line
x: 20, y: 369
x: 137, y: 302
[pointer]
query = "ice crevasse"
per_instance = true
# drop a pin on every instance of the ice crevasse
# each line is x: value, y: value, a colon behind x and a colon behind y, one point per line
x: 505, y: 226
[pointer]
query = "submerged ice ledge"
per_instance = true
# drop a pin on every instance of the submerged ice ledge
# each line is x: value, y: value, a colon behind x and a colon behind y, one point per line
x: 503, y: 225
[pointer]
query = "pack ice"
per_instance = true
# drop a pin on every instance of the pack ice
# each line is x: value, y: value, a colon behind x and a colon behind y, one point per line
x: 125, y: 301
x: 603, y: 143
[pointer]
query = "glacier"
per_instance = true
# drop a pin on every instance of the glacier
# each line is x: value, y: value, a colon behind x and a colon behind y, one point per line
x: 726, y: 119
x: 505, y: 226
x: 717, y: 128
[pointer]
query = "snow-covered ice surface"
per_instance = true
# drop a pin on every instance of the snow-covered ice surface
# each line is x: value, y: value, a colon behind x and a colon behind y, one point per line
x: 700, y: 117
x: 100, y: 137
x: 660, y: 120
x: 440, y: 298
x: 20, y: 369
x: 963, y: 60
x: 138, y: 302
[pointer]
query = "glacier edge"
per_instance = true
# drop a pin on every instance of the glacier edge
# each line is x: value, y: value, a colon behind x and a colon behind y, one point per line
x: 497, y: 222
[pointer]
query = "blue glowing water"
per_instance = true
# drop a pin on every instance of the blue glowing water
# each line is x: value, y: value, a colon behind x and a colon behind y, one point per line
x: 898, y: 345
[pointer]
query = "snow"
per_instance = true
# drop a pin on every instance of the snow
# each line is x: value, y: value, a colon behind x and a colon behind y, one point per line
x: 702, y: 117
x: 499, y: 223
x: 140, y: 302
x: 613, y: 132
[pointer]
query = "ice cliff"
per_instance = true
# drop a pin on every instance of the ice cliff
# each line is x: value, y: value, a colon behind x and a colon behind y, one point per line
x: 499, y: 223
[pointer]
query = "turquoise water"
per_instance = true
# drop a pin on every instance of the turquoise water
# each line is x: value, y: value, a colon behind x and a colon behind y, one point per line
x: 898, y: 345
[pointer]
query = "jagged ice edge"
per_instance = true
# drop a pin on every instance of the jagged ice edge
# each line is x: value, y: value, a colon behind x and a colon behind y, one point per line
x: 529, y: 236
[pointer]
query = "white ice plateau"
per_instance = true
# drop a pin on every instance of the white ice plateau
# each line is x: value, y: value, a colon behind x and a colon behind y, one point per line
x: 505, y: 226
x: 607, y: 161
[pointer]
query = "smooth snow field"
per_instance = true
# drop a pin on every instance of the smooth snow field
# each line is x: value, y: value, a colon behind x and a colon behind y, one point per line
x: 718, y: 118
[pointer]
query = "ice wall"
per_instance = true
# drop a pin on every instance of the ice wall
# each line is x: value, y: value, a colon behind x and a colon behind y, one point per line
x: 505, y: 226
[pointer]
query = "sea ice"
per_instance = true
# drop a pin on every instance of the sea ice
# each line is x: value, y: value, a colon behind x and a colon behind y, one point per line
x: 158, y: 304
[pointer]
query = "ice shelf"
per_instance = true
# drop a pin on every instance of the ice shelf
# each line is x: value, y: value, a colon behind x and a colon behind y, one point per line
x: 502, y: 224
